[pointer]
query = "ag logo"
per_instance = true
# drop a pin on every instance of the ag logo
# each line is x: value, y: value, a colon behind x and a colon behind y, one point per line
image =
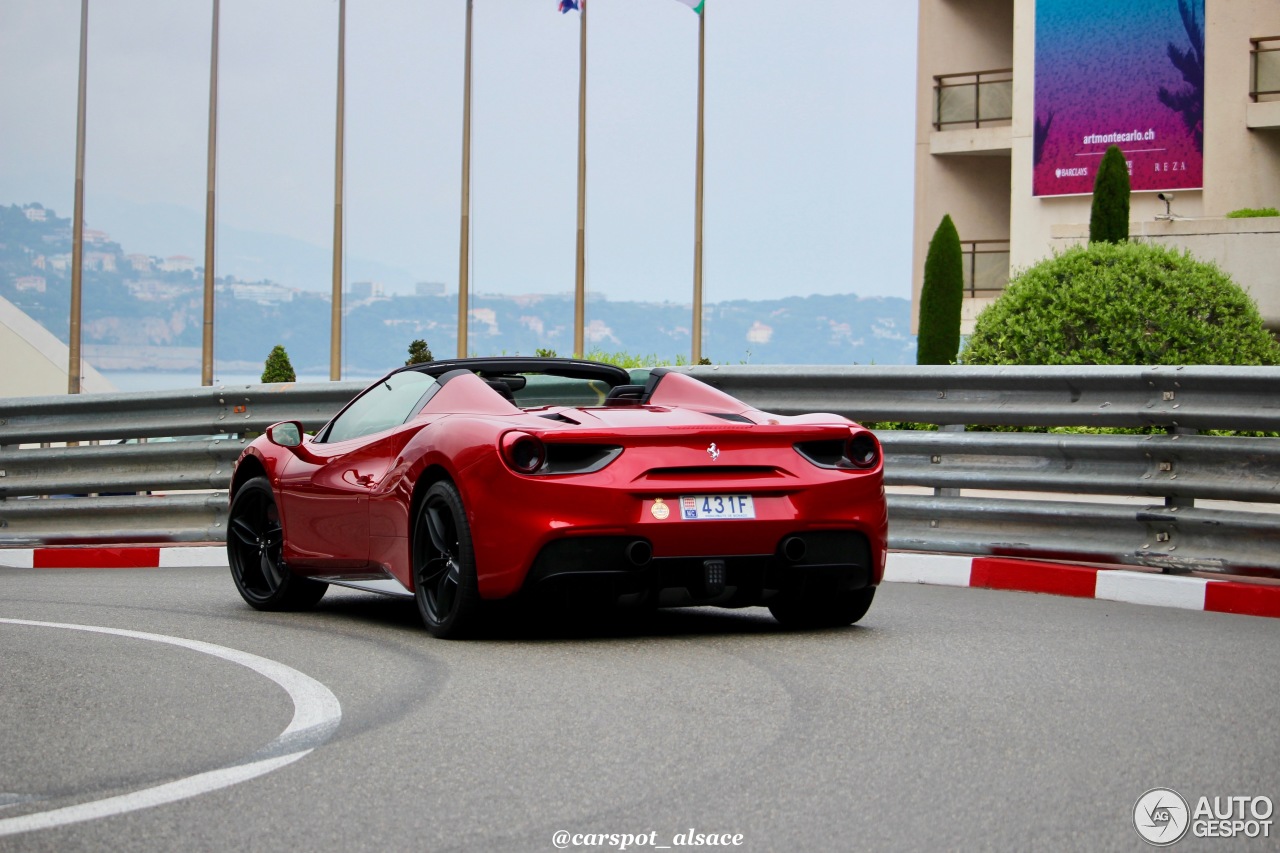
x: 1161, y: 817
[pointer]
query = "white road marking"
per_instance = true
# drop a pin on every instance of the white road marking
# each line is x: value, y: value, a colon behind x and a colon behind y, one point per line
x: 316, y: 715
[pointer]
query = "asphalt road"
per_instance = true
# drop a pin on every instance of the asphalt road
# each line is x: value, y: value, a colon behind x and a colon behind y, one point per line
x: 949, y: 719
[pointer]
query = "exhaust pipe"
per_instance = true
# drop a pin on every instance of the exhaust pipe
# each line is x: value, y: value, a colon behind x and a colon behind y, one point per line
x: 793, y: 549
x: 639, y: 552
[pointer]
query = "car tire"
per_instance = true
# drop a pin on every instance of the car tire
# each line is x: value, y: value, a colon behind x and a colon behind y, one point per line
x: 822, y: 608
x: 444, y: 565
x: 255, y: 541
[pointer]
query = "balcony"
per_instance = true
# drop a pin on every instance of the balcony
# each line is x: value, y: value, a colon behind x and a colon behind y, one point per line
x: 1264, y: 83
x: 1264, y: 69
x: 972, y: 99
x: 973, y: 112
x: 986, y: 267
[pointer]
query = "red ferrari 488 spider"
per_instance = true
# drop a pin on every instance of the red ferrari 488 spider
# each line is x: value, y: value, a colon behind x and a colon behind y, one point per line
x: 467, y: 481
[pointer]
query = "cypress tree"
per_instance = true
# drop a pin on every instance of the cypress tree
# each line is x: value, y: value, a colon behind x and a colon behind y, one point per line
x: 1109, y: 219
x: 940, y: 297
x: 419, y: 353
x: 277, y: 367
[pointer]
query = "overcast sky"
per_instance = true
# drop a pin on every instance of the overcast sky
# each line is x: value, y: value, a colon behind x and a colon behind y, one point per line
x: 809, y: 147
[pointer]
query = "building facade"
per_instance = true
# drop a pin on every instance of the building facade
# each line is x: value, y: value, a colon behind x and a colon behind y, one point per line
x: 980, y: 136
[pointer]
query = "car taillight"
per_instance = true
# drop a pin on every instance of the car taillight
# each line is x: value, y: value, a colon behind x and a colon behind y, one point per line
x: 862, y: 450
x: 523, y: 452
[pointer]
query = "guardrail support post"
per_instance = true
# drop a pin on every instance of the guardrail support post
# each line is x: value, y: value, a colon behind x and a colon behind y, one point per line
x: 1175, y: 500
x: 949, y: 493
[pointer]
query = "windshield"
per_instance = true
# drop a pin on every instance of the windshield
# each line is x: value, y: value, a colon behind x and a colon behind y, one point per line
x: 386, y: 404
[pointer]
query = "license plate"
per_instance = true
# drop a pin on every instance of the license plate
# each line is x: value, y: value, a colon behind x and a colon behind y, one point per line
x: 703, y: 507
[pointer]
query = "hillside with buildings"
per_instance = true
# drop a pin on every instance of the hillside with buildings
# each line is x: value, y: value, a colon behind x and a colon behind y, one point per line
x: 143, y: 312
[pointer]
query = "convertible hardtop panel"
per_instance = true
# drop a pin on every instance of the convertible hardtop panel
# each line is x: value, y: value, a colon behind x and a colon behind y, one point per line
x: 516, y: 365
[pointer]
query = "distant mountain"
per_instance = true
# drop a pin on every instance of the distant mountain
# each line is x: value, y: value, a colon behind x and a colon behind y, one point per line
x: 145, y: 311
x: 842, y: 329
x: 170, y: 229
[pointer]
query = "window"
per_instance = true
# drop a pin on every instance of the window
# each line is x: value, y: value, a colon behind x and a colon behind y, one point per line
x: 539, y: 390
x: 386, y: 404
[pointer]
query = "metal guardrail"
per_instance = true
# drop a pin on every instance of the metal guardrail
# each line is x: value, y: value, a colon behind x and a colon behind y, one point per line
x: 165, y: 466
x: 1128, y: 499
x: 199, y: 411
x: 1174, y: 539
x: 65, y: 495
x: 1200, y: 398
x: 1178, y: 468
x: 1193, y: 467
x: 115, y: 519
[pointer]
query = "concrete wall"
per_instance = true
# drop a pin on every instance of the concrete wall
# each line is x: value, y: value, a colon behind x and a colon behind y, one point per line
x: 1246, y: 249
x: 1241, y: 167
x: 33, y: 362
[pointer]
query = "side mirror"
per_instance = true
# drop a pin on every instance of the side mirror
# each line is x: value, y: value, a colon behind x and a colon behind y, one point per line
x: 286, y: 434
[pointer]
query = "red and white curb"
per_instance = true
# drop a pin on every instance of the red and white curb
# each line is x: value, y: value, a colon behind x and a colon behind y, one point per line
x: 123, y: 557
x: 1188, y: 593
x: 1133, y: 587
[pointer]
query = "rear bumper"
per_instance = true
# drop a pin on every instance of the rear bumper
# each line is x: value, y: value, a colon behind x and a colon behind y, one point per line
x: 621, y: 569
x: 524, y: 528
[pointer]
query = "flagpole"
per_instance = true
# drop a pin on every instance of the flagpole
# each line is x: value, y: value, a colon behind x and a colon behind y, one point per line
x: 77, y: 224
x: 464, y: 272
x: 206, y: 356
x: 335, y: 320
x: 697, y: 196
x: 580, y: 289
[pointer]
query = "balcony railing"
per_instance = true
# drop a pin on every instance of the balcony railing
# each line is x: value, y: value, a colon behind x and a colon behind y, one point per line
x: 974, y: 99
x: 1264, y: 71
x: 986, y: 266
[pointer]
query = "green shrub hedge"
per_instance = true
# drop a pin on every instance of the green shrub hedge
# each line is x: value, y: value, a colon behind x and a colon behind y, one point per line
x: 1121, y: 303
x: 1253, y: 212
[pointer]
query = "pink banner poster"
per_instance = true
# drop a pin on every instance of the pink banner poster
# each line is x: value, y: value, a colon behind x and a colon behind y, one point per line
x: 1128, y: 73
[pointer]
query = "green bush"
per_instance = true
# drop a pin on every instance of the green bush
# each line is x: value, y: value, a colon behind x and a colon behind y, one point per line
x: 1253, y: 212
x: 419, y: 353
x: 941, y: 297
x: 630, y: 360
x: 1109, y: 216
x: 1121, y: 303
x: 277, y: 367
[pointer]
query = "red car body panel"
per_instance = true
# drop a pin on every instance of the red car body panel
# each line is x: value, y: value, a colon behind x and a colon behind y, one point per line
x: 347, y: 507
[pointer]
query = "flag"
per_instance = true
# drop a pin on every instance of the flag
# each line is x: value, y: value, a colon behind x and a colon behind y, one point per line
x: 568, y: 6
x: 695, y: 5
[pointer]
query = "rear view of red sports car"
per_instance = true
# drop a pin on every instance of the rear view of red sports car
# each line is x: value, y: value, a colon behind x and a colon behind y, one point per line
x: 469, y: 481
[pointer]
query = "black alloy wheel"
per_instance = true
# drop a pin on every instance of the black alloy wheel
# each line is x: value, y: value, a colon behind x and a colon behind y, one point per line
x: 255, y: 540
x: 444, y: 564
